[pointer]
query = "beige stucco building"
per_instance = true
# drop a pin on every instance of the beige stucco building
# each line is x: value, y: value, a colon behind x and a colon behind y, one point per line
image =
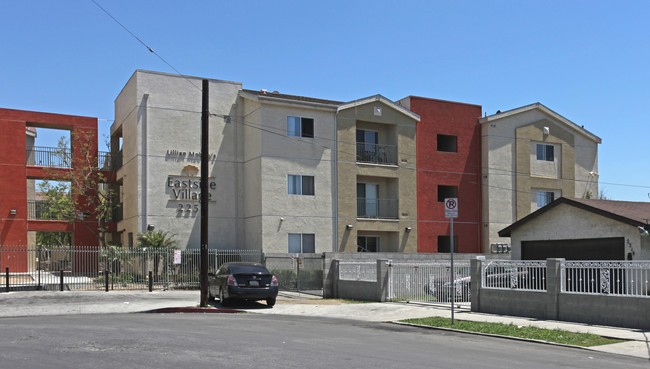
x: 530, y: 156
x: 377, y: 194
x: 285, y: 171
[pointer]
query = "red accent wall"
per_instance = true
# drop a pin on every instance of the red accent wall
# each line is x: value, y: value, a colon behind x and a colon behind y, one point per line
x: 14, y: 173
x: 461, y: 169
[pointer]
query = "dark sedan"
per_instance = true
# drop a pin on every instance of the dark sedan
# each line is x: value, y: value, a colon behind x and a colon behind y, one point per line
x: 243, y: 281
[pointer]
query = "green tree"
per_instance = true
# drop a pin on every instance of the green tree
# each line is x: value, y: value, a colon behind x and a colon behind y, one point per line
x: 158, y: 242
x: 84, y: 190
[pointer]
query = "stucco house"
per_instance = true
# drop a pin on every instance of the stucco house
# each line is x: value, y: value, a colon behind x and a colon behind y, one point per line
x: 582, y: 229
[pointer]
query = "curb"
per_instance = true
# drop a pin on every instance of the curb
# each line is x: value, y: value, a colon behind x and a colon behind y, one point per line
x: 495, y: 335
x: 195, y: 310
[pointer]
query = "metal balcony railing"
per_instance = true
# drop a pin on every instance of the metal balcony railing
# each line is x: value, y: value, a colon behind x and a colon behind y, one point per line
x: 49, y: 157
x: 117, y: 215
x: 43, y: 210
x: 377, y: 208
x: 376, y: 154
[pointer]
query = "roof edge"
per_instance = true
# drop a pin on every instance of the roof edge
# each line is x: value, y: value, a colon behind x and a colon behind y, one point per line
x: 546, y: 110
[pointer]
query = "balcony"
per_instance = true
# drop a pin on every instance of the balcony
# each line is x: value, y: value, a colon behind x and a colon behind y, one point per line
x: 376, y: 154
x: 49, y: 157
x: 44, y: 210
x: 377, y: 208
x: 117, y: 214
x: 109, y: 161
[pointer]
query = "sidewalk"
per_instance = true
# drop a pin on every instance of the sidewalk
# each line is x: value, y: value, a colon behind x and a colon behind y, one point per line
x: 14, y: 304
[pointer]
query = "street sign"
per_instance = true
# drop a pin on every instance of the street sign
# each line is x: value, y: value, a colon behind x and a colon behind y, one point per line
x: 451, y: 207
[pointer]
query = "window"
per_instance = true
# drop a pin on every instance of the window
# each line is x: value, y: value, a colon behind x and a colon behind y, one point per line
x: 447, y: 192
x: 447, y: 143
x: 301, y: 185
x: 302, y: 243
x: 367, y: 201
x: 544, y: 198
x: 545, y: 152
x: 444, y: 246
x: 367, y: 244
x: 300, y: 127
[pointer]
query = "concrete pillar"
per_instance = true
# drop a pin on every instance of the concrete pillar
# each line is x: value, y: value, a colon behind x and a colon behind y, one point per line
x: 332, y: 290
x: 553, y: 287
x: 477, y: 282
x: 382, y: 280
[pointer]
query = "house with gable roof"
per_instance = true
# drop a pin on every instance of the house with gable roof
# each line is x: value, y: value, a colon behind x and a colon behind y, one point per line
x: 582, y: 229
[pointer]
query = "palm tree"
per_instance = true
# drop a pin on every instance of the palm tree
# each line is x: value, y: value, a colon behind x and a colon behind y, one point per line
x: 157, y: 241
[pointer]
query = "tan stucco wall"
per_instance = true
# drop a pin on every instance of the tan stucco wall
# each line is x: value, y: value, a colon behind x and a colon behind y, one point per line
x: 510, y: 174
x: 395, y: 181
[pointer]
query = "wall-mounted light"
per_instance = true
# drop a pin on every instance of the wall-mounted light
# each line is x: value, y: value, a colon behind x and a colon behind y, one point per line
x: 408, y: 229
x: 546, y: 130
x: 281, y: 219
x: 642, y: 231
x: 150, y: 227
x: 349, y: 226
x: 12, y: 212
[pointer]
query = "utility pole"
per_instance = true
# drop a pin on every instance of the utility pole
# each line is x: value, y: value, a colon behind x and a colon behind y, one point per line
x: 205, y: 118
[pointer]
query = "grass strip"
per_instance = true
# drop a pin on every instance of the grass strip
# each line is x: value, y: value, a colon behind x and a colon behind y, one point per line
x: 512, y: 330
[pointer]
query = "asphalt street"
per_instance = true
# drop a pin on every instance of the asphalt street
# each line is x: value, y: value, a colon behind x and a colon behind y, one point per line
x: 261, y: 341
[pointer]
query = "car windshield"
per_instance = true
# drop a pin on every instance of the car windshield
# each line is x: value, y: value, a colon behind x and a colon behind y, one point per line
x: 248, y: 269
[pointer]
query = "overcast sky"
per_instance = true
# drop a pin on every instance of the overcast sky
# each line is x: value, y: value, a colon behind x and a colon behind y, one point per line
x: 587, y: 60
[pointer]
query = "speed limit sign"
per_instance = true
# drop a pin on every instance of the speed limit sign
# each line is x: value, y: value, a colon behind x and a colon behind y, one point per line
x: 451, y: 207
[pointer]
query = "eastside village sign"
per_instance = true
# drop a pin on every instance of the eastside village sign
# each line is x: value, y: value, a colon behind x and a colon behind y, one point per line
x: 186, y: 187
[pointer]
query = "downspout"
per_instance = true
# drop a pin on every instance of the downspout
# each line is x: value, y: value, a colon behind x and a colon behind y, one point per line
x: 336, y: 182
x: 143, y: 158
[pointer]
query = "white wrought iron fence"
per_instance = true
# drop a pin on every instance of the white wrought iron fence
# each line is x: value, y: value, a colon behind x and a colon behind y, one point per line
x: 514, y: 275
x: 431, y: 282
x: 93, y: 268
x: 620, y: 278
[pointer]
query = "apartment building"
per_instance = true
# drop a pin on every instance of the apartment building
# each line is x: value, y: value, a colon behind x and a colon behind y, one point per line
x: 23, y: 163
x: 532, y: 155
x: 448, y: 166
x: 377, y: 188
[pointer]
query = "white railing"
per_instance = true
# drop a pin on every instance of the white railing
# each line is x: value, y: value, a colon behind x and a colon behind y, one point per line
x: 430, y: 282
x: 364, y: 271
x: 514, y: 275
x: 620, y: 278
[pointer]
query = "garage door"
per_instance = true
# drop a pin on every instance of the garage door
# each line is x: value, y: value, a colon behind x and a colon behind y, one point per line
x: 582, y: 249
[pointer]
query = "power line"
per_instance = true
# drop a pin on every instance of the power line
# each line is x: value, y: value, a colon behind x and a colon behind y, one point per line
x: 145, y: 45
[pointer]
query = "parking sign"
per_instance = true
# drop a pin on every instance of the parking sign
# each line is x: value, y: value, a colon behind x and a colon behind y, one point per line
x: 451, y: 207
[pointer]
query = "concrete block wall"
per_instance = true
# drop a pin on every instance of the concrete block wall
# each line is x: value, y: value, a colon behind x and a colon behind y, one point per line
x: 553, y: 304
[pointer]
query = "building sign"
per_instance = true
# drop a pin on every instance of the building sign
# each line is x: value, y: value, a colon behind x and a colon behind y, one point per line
x: 189, y: 155
x: 186, y: 189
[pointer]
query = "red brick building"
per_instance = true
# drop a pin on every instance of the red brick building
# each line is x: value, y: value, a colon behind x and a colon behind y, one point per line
x: 20, y: 162
x: 448, y: 165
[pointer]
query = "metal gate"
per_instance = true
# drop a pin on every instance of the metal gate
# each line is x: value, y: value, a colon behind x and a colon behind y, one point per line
x: 430, y: 282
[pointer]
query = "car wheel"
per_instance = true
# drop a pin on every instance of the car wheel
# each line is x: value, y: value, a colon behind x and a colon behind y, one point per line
x: 270, y: 301
x: 222, y: 299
